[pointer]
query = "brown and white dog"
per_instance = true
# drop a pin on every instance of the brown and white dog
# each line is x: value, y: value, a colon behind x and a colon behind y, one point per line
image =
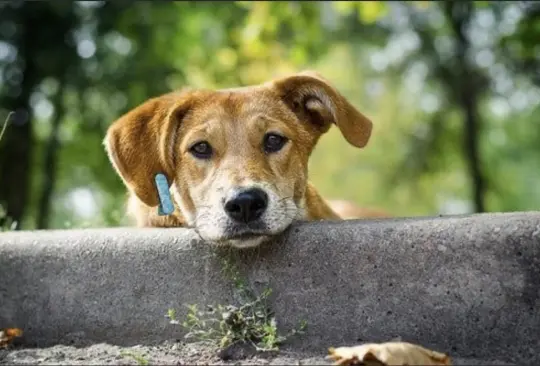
x: 236, y: 159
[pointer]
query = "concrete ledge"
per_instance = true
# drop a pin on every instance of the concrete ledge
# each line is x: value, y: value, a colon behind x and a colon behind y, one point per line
x: 469, y: 286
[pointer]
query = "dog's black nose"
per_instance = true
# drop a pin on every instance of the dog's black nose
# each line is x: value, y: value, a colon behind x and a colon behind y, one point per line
x: 247, y: 206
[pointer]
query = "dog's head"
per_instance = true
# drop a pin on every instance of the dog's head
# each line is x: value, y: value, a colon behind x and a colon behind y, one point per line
x: 236, y: 159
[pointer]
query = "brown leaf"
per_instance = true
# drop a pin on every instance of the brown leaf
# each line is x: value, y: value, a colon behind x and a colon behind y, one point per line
x: 390, y: 353
x: 8, y: 334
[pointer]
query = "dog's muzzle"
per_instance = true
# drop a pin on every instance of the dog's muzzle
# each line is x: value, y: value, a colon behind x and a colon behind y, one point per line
x: 245, y: 209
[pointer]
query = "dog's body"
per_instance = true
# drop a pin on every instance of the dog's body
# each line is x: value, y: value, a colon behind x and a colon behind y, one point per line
x: 236, y: 159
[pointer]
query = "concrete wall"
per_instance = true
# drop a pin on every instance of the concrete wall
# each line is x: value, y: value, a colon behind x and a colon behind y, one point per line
x: 468, y: 286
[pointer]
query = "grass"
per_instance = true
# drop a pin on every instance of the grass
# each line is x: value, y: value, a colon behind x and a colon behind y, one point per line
x: 6, y: 223
x: 251, y: 322
x: 4, y: 127
x: 141, y: 360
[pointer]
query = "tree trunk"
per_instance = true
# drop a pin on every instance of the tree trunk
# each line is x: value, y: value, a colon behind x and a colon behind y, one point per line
x: 469, y: 104
x: 467, y: 95
x: 50, y: 162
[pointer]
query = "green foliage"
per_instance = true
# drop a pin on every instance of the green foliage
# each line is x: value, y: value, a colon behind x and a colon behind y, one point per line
x: 250, y: 322
x: 141, y: 360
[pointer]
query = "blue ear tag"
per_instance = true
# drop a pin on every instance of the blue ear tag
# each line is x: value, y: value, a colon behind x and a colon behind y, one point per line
x: 166, y: 206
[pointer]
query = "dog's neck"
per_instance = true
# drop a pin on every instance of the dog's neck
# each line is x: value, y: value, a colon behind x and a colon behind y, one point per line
x: 315, y: 208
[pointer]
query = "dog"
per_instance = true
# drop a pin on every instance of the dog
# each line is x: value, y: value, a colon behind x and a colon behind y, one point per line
x: 235, y: 159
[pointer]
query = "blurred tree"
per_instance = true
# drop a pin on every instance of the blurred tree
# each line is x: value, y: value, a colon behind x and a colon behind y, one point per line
x: 51, y: 156
x: 463, y: 85
x: 34, y: 34
x: 521, y: 48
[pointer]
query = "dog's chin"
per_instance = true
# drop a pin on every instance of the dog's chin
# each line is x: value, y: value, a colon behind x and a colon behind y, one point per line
x: 247, y: 241
x: 241, y: 241
x: 241, y: 235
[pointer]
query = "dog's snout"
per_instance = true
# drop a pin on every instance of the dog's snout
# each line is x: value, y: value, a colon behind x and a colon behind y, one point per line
x: 247, y: 205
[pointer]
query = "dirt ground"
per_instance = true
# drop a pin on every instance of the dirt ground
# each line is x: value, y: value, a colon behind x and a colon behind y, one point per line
x: 169, y: 353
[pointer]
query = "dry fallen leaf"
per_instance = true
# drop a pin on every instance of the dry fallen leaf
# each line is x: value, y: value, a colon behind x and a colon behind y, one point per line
x: 7, y: 335
x: 390, y: 353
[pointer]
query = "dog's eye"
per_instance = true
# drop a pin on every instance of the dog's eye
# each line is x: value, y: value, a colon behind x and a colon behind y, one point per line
x: 201, y: 150
x: 274, y: 142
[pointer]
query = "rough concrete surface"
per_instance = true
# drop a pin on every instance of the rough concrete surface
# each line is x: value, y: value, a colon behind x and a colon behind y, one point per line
x: 466, y: 286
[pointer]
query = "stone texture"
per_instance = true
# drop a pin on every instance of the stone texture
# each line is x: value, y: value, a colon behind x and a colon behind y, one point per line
x: 466, y: 286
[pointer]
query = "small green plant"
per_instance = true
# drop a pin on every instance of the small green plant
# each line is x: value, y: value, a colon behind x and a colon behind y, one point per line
x: 141, y: 360
x: 6, y: 223
x: 250, y: 322
x: 5, y: 125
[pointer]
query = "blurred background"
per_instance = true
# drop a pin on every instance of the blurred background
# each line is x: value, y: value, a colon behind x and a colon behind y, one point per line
x: 453, y: 88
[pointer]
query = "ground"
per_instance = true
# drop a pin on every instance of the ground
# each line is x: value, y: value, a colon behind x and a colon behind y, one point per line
x: 168, y: 353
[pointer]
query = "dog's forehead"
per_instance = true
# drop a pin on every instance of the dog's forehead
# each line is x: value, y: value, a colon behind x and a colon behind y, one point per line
x: 246, y: 99
x: 243, y: 90
x: 241, y: 103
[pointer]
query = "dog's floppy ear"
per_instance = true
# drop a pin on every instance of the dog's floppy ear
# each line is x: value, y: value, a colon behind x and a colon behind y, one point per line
x: 140, y: 144
x: 312, y: 98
